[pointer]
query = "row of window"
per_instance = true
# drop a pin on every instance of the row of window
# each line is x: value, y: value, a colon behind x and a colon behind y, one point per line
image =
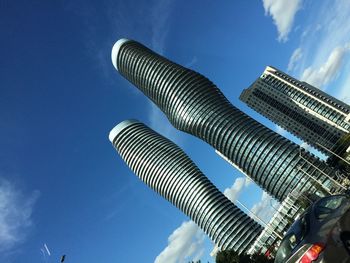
x: 279, y: 223
x: 312, y: 126
x: 169, y: 172
x: 288, y: 123
x: 307, y: 101
x: 311, y: 91
x: 268, y: 89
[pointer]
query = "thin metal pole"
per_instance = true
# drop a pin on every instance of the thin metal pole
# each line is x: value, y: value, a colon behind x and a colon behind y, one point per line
x: 273, y: 206
x: 328, y: 150
x: 266, y: 225
x: 310, y: 176
x: 234, y: 165
x: 318, y: 169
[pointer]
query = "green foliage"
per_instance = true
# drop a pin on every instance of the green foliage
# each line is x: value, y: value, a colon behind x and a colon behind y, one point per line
x: 260, y: 258
x: 227, y: 256
x: 231, y: 256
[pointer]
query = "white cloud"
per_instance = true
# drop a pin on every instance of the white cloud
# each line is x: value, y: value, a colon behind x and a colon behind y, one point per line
x: 325, y: 44
x: 265, y: 208
x: 160, y: 123
x: 45, y: 252
x: 184, y: 244
x: 296, y: 56
x: 280, y: 130
x: 343, y: 93
x: 192, y: 62
x: 305, y: 146
x: 47, y: 249
x: 327, y: 71
x: 215, y: 251
x: 160, y: 24
x: 15, y: 214
x: 235, y: 190
x: 283, y: 13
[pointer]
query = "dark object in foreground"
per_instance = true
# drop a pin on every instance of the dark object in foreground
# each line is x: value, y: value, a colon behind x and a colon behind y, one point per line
x: 321, y: 234
x: 231, y: 256
x: 63, y: 258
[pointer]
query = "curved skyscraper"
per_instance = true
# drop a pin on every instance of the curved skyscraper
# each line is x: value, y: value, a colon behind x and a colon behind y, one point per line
x: 166, y: 169
x: 194, y: 104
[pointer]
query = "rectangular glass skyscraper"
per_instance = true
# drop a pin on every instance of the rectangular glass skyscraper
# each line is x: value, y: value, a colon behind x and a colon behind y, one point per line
x: 305, y: 111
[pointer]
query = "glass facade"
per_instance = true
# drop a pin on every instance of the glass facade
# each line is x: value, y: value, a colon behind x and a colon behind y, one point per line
x: 285, y: 215
x: 166, y: 169
x: 305, y: 111
x: 295, y: 115
x: 195, y: 105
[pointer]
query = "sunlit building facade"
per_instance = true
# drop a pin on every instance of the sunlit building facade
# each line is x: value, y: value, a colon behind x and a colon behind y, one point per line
x: 285, y: 214
x: 165, y: 168
x: 194, y: 104
x: 307, y: 112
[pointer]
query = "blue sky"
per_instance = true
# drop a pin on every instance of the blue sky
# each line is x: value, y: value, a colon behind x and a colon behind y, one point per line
x: 63, y: 188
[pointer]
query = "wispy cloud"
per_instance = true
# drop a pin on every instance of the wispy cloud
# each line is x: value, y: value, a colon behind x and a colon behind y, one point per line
x: 192, y: 62
x: 236, y: 189
x: 343, y: 92
x: 186, y: 243
x: 329, y: 70
x: 160, y: 25
x: 265, y: 208
x: 305, y: 146
x: 280, y: 130
x: 159, y: 122
x: 282, y: 13
x: 296, y: 56
x: 45, y: 252
x: 15, y: 214
x: 155, y: 23
x: 325, y: 44
x: 47, y: 249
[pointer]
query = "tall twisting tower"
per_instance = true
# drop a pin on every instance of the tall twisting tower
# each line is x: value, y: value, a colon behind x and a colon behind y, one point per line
x: 166, y: 169
x: 193, y: 104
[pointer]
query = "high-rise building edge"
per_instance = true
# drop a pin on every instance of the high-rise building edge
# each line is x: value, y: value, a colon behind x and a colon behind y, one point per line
x: 280, y: 222
x: 307, y: 112
x: 194, y: 104
x: 165, y: 168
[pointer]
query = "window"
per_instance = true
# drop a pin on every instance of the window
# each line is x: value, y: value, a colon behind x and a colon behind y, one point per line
x: 328, y: 205
x: 294, y: 236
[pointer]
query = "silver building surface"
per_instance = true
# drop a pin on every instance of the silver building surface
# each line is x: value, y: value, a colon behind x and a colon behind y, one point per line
x: 286, y: 213
x: 194, y: 104
x: 307, y: 112
x: 165, y: 168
